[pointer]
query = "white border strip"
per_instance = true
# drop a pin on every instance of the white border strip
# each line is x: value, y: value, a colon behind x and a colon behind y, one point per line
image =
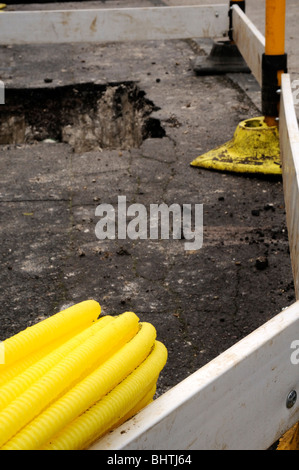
x: 237, y: 401
x: 250, y: 42
x: 106, y: 25
x: 289, y: 144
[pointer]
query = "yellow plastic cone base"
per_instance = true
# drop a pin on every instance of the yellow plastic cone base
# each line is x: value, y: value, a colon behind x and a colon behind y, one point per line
x: 253, y: 149
x: 290, y: 440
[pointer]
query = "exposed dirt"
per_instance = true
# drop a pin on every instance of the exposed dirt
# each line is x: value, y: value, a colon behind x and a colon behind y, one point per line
x: 86, y: 116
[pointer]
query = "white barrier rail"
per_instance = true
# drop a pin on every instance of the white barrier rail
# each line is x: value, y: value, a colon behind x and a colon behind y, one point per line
x: 289, y: 144
x: 250, y: 42
x: 237, y: 401
x: 105, y: 25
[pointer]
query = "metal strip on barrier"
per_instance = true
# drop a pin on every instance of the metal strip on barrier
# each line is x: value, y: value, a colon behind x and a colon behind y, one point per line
x: 250, y: 42
x: 289, y: 144
x: 106, y: 25
x: 237, y: 401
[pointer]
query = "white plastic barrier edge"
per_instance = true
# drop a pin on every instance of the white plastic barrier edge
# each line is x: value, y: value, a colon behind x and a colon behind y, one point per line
x: 289, y: 144
x: 112, y: 25
x: 250, y: 42
x: 237, y: 401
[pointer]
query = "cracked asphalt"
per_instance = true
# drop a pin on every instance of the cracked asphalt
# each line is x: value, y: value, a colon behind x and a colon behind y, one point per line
x: 201, y: 302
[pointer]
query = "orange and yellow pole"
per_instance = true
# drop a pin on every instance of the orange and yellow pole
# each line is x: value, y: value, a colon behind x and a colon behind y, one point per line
x: 275, y: 27
x: 274, y: 59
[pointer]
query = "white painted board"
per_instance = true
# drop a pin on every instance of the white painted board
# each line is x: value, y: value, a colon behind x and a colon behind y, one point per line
x: 112, y: 25
x: 250, y: 42
x: 237, y: 401
x: 289, y: 144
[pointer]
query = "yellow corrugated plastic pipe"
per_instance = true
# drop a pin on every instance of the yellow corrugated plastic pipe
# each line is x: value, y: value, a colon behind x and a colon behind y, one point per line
x: 73, y: 377
x: 37, y: 336
x: 92, y: 424
x: 23, y: 381
x: 87, y: 392
x: 149, y: 394
x: 60, y: 378
x: 9, y: 373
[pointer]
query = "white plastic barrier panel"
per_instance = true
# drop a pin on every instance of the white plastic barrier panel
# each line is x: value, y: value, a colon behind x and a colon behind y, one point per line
x: 237, y: 401
x: 250, y: 42
x: 105, y: 25
x: 289, y: 144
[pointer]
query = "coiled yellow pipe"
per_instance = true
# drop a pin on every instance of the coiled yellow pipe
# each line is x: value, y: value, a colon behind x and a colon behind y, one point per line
x: 79, y: 398
x: 46, y: 331
x: 92, y: 424
x: 23, y: 381
x: 80, y: 377
x: 9, y: 373
x: 65, y: 374
x: 146, y: 400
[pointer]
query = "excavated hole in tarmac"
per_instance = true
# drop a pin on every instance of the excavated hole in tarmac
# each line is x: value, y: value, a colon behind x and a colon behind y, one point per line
x: 86, y: 116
